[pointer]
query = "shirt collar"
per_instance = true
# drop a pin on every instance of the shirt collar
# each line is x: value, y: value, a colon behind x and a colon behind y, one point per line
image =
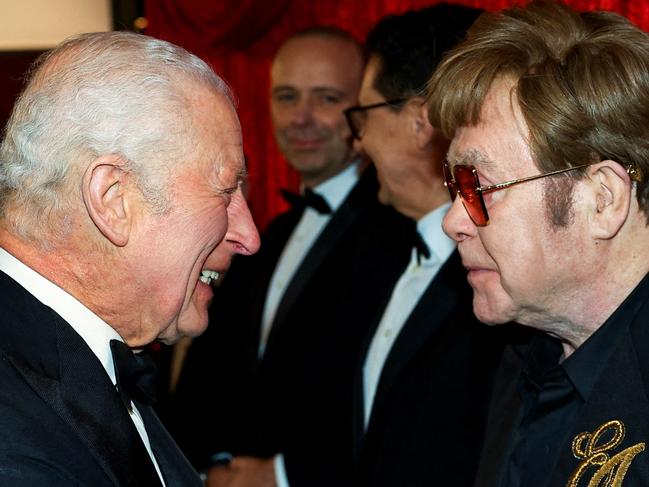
x: 430, y: 228
x: 92, y: 329
x: 335, y: 189
x: 586, y: 364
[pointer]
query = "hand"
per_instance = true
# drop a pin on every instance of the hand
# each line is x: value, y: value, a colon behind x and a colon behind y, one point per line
x: 243, y: 472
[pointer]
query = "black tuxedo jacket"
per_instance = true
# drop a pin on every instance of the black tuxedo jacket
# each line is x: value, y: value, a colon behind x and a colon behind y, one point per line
x: 296, y: 399
x: 428, y: 416
x: 61, y: 419
x: 621, y: 396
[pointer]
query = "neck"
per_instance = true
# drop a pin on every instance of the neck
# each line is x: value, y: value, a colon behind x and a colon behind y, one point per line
x: 73, y: 269
x: 420, y: 199
x: 621, y: 265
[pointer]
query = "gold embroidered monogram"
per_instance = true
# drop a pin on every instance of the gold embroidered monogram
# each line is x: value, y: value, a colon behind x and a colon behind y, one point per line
x: 595, y: 451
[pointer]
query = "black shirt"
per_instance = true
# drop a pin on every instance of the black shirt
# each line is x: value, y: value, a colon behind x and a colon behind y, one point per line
x: 552, y: 393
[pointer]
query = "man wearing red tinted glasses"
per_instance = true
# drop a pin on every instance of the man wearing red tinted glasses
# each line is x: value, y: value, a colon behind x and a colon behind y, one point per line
x: 548, y: 112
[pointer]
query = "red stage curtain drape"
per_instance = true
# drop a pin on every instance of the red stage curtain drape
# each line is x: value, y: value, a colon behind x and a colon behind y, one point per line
x: 238, y: 38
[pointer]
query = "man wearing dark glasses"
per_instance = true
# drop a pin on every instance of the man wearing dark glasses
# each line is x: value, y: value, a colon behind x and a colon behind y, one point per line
x: 549, y: 118
x: 423, y: 380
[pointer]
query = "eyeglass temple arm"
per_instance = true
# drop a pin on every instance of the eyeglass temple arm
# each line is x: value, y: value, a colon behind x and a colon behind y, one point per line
x: 494, y: 187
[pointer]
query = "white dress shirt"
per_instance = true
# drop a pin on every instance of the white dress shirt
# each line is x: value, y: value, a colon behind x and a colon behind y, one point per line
x: 334, y: 190
x: 406, y: 294
x: 92, y: 329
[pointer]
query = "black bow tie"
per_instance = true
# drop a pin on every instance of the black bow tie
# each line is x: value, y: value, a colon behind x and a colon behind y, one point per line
x: 421, y: 247
x: 136, y: 374
x: 308, y: 199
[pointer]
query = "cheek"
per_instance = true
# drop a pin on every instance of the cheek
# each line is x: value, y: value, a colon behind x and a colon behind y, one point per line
x: 278, y: 116
x: 218, y: 227
x: 521, y: 261
x: 210, y: 223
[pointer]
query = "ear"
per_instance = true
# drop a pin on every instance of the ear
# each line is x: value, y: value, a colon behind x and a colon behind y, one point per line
x: 105, y: 195
x: 422, y: 128
x: 611, y: 190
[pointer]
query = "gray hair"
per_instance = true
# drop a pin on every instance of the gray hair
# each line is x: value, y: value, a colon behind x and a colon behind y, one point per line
x: 95, y: 94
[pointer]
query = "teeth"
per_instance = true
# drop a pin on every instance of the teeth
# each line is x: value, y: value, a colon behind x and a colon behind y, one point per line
x: 208, y: 276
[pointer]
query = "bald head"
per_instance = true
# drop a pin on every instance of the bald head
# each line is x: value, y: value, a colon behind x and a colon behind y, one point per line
x: 315, y: 75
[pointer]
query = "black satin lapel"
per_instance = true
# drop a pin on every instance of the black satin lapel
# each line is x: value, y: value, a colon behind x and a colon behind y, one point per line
x: 427, y: 320
x: 91, y: 406
x: 273, y: 243
x: 341, y: 221
x: 358, y: 414
x: 55, y: 361
x: 175, y: 468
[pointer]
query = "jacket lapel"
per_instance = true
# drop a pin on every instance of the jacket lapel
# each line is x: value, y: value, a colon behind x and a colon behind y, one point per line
x: 341, y: 221
x: 64, y: 372
x: 424, y: 323
x: 273, y: 243
x: 175, y: 468
x: 393, y: 256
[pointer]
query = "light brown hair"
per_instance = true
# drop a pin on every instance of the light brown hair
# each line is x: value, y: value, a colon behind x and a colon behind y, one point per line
x: 581, y: 80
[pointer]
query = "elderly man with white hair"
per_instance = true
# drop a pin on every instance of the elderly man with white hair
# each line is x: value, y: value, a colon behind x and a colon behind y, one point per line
x: 120, y: 201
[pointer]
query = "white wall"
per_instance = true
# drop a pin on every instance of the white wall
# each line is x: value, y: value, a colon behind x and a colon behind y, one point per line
x: 41, y: 24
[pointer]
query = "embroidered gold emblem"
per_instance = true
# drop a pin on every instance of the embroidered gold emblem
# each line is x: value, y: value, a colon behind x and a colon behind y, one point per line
x: 595, y: 450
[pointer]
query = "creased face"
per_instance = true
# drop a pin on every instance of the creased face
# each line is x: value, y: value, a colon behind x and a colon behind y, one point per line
x: 313, y: 79
x: 208, y: 222
x: 386, y: 140
x: 520, y: 266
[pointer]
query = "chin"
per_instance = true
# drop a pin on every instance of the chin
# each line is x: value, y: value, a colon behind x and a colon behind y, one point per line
x: 489, y: 314
x: 174, y: 333
x: 384, y: 197
x: 192, y: 330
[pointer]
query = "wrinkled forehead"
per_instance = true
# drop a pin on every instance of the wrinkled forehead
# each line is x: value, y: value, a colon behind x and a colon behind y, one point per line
x: 214, y: 136
x: 315, y: 61
x: 498, y: 137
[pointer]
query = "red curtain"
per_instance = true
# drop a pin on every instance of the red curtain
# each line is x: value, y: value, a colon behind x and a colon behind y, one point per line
x: 238, y: 38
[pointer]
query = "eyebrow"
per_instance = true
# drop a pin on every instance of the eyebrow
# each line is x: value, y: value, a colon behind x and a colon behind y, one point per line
x: 314, y: 89
x: 241, y: 176
x: 282, y: 88
x: 330, y: 89
x: 472, y: 157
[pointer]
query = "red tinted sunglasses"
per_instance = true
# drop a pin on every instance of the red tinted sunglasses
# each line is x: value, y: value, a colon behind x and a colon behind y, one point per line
x: 463, y: 180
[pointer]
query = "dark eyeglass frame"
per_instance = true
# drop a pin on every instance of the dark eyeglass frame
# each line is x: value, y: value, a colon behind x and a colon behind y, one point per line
x: 351, y: 111
x: 470, y: 190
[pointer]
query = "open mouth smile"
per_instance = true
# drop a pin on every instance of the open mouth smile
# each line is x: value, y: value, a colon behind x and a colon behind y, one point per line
x: 207, y: 276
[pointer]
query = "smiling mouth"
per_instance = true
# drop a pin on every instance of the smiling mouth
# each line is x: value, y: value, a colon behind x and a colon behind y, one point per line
x: 207, y: 276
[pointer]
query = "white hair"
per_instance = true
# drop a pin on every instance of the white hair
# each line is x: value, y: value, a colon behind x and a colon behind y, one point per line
x: 95, y: 94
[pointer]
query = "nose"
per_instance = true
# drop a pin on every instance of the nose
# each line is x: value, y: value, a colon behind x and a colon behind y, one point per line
x: 242, y: 232
x: 457, y: 224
